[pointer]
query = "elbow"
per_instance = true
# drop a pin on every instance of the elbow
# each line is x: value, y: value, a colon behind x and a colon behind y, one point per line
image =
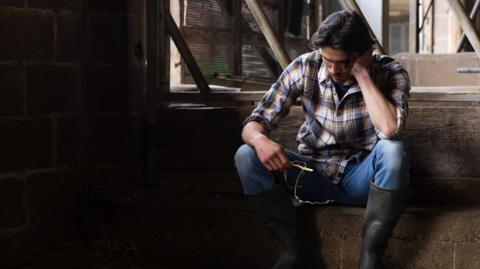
x: 389, y: 131
x: 389, y: 134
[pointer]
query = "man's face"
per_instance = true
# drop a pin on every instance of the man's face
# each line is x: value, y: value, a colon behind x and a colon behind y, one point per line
x: 338, y: 64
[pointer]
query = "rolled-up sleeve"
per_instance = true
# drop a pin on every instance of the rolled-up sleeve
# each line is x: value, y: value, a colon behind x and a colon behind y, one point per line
x: 277, y: 101
x: 398, y: 82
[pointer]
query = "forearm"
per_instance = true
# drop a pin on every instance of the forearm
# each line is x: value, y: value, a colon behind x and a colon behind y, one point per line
x: 382, y: 113
x: 253, y: 132
x: 269, y: 152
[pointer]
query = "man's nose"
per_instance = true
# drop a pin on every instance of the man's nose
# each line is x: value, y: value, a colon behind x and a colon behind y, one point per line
x: 336, y: 68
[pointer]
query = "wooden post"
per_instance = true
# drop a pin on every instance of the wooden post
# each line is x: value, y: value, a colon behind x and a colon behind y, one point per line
x: 466, y: 24
x: 237, y: 37
x: 312, y: 20
x: 317, y: 10
x: 473, y: 13
x: 186, y: 54
x: 176, y: 66
x: 157, y: 80
x: 413, y: 27
x: 268, y: 32
x: 352, y: 5
x: 156, y: 55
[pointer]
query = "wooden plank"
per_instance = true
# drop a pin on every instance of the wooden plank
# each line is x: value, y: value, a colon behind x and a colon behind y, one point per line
x: 417, y: 94
x: 186, y: 54
x: 352, y: 5
x: 413, y: 27
x: 473, y: 13
x: 269, y: 33
x: 466, y: 24
x: 268, y: 60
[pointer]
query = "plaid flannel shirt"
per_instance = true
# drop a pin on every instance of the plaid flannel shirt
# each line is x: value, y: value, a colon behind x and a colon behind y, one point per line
x: 335, y: 131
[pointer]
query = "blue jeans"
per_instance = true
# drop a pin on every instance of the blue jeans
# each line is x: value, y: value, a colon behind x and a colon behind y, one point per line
x: 387, y: 166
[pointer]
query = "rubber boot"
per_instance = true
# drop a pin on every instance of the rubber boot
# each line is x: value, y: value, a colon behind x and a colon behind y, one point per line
x: 384, y: 208
x: 278, y: 216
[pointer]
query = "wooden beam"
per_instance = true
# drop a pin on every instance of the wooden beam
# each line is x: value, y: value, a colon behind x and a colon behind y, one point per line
x: 466, y: 24
x: 268, y: 60
x: 386, y: 26
x: 237, y: 37
x: 186, y: 54
x: 313, y: 18
x: 473, y: 13
x: 268, y: 32
x: 352, y: 5
x: 418, y: 94
x: 413, y: 27
x: 176, y: 66
x: 156, y: 55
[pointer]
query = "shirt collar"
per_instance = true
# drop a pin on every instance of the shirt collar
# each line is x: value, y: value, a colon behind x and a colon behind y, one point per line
x: 323, y: 77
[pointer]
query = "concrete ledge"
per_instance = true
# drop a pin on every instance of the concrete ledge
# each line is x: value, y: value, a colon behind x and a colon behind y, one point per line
x: 217, y: 231
x: 439, y: 69
x: 421, y: 93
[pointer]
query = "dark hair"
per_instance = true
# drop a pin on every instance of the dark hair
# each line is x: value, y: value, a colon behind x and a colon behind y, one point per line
x: 345, y: 30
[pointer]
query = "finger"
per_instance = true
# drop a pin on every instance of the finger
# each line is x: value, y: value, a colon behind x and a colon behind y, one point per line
x: 276, y: 163
x: 285, y: 162
x: 268, y: 166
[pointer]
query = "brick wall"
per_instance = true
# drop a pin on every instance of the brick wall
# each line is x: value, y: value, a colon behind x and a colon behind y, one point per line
x: 71, y: 79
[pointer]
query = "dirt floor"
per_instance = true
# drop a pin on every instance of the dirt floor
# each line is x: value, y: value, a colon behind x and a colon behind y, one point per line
x: 94, y: 254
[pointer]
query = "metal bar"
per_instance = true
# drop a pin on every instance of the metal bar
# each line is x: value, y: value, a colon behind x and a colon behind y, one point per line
x: 413, y: 27
x: 187, y: 56
x: 352, y: 5
x: 269, y: 33
x: 466, y: 24
x: 473, y: 13
x: 425, y: 16
x: 468, y: 70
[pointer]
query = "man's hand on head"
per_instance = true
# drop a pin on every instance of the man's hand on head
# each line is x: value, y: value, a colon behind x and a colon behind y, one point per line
x: 271, y: 154
x: 362, y: 63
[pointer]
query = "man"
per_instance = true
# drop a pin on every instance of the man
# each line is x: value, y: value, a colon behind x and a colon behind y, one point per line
x: 355, y: 104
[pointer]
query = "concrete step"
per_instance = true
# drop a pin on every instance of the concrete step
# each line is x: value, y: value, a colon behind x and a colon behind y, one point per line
x: 219, y: 231
x: 442, y: 130
x: 427, y: 190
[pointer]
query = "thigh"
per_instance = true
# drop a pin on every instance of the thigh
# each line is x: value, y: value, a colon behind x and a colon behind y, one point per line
x: 355, y: 184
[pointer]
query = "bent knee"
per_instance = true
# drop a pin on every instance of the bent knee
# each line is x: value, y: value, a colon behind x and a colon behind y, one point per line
x: 393, y: 155
x: 244, y: 154
x: 392, y: 149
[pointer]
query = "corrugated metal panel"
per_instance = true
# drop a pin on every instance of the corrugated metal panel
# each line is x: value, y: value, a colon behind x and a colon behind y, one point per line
x: 213, y: 59
x: 208, y: 13
x: 218, y: 58
x: 270, y: 12
x: 252, y: 65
